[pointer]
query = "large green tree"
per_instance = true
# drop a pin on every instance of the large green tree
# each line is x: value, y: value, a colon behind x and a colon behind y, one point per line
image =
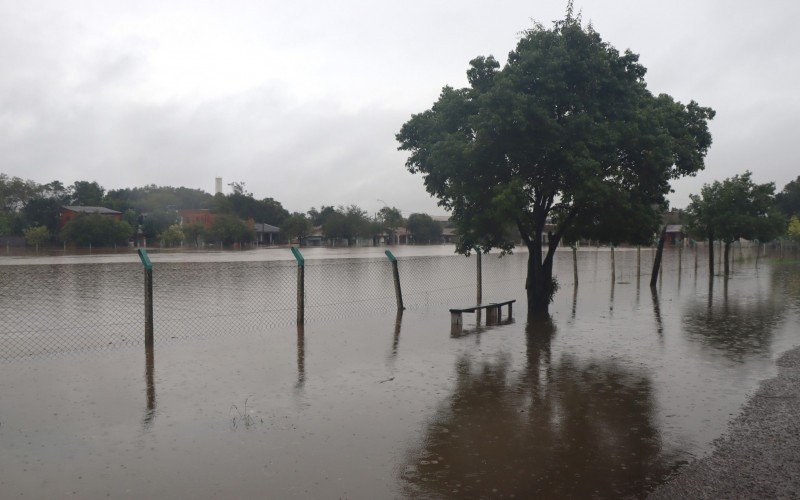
x: 789, y: 199
x: 423, y: 228
x: 566, y: 128
x: 228, y: 229
x: 88, y: 194
x: 347, y: 223
x: 96, y: 230
x: 390, y: 219
x: 732, y: 209
x: 296, y: 226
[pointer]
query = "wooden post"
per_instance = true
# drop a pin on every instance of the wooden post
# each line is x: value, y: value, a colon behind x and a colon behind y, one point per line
x: 695, y: 258
x: 638, y: 262
x: 301, y: 286
x: 491, y: 315
x: 657, y: 261
x: 148, y: 297
x: 574, y: 264
x: 680, y: 257
x: 456, y: 323
x: 613, y: 265
x: 480, y: 276
x: 396, y: 273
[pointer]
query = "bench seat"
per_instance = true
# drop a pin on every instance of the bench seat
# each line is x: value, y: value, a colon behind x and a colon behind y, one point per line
x: 493, y: 313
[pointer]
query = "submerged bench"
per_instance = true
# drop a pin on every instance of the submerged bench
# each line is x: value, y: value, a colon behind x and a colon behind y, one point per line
x: 493, y: 312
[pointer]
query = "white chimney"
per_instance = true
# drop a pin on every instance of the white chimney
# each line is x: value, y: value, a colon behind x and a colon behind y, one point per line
x: 218, y: 185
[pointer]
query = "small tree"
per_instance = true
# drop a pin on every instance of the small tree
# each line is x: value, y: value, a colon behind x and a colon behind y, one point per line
x: 173, y: 235
x: 347, y: 223
x: 155, y: 223
x: 391, y: 219
x: 793, y: 230
x: 36, y: 236
x: 296, y: 226
x: 194, y: 232
x: 228, y: 229
x: 5, y: 225
x: 424, y: 229
x: 733, y: 209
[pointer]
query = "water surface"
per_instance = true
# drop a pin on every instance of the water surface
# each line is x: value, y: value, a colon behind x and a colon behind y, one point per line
x: 607, y: 397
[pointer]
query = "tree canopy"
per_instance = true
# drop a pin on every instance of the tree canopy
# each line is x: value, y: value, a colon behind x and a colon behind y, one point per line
x: 296, y: 226
x: 228, y: 229
x: 735, y: 208
x: 423, y: 228
x: 96, y: 230
x: 789, y: 199
x: 348, y: 223
x: 566, y: 132
x: 390, y: 219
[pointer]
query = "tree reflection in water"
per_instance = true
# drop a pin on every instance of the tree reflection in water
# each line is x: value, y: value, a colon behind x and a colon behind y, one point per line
x: 739, y: 320
x: 556, y: 428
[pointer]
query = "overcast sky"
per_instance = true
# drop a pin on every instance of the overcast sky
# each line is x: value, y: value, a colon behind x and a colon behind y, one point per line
x: 301, y: 100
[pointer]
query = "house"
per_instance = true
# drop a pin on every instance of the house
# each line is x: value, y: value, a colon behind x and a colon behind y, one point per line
x: 675, y: 235
x: 68, y: 213
x: 314, y: 239
x: 265, y: 233
x: 448, y: 229
x: 191, y: 216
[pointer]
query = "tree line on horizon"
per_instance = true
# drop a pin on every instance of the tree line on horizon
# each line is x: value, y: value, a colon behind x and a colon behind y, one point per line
x: 31, y: 210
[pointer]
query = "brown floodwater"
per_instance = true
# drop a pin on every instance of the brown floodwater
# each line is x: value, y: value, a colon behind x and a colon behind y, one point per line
x: 608, y: 397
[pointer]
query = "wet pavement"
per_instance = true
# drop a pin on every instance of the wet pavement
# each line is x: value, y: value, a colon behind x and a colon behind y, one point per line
x: 758, y: 457
x: 610, y: 397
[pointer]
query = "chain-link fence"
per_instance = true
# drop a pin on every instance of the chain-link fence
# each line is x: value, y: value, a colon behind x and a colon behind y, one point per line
x: 70, y: 307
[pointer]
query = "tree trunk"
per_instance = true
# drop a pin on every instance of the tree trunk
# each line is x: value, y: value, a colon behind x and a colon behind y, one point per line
x: 657, y: 261
x: 539, y: 281
x: 727, y: 258
x: 711, y: 254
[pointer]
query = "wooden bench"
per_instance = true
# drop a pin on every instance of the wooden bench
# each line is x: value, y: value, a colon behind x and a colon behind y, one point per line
x: 493, y: 312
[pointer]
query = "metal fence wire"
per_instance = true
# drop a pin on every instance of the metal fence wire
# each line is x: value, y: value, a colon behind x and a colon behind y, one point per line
x: 46, y: 309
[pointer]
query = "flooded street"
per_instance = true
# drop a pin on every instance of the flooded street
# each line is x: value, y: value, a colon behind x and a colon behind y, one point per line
x: 607, y: 398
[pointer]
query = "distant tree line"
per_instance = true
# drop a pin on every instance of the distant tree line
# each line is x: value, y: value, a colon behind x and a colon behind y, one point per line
x: 31, y: 210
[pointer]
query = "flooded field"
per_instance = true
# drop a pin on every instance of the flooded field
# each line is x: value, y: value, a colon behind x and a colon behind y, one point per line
x: 610, y: 396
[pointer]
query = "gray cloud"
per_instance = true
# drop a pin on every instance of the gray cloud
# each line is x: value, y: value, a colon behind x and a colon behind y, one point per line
x: 302, y: 102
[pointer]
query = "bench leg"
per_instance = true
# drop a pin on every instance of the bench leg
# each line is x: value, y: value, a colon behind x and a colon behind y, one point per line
x: 510, y: 311
x: 456, y: 323
x: 491, y: 315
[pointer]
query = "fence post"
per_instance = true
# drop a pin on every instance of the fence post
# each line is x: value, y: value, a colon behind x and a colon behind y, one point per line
x: 301, y: 285
x: 575, y: 263
x: 479, y: 276
x: 148, y: 297
x: 398, y: 293
x: 613, y: 265
x: 638, y: 261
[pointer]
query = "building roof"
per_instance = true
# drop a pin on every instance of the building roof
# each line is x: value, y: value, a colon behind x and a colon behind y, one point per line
x: 91, y: 210
x: 262, y: 227
x: 441, y: 218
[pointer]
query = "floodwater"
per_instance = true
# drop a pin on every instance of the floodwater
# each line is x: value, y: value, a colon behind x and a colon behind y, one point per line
x: 608, y: 397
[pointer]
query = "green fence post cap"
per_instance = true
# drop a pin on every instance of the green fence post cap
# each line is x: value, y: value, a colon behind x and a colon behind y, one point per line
x: 145, y: 259
x: 297, y: 255
x: 391, y: 256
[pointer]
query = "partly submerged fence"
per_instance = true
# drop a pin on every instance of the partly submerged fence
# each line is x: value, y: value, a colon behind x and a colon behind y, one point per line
x: 57, y: 308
